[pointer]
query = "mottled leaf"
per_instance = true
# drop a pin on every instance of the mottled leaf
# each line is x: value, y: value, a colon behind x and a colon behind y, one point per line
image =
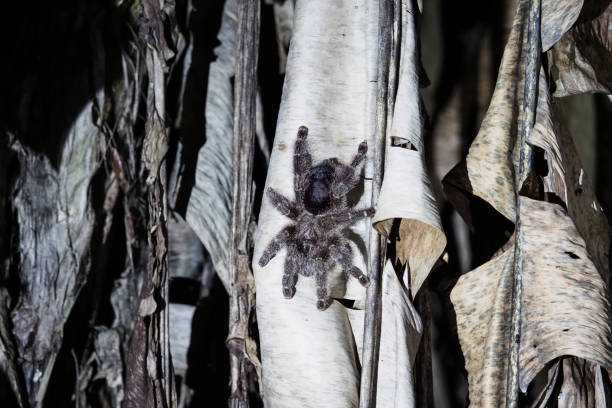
x: 565, y: 247
x: 558, y: 16
x: 56, y: 222
x: 209, y: 208
x: 580, y: 61
x: 565, y: 308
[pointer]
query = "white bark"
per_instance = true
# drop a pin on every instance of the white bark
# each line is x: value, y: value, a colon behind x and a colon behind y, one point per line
x: 310, y: 358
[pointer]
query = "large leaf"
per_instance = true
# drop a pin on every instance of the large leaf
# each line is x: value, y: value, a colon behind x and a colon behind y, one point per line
x: 558, y: 16
x: 565, y: 309
x: 565, y: 248
x: 488, y: 170
x: 420, y: 239
x: 56, y: 222
x: 209, y: 208
x: 580, y: 61
x: 568, y: 181
x: 401, y: 330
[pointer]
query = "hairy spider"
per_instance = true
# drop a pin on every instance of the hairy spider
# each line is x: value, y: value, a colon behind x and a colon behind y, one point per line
x: 320, y: 213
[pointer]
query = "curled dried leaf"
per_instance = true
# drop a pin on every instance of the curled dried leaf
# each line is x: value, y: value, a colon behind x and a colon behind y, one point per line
x: 553, y: 323
x: 580, y: 61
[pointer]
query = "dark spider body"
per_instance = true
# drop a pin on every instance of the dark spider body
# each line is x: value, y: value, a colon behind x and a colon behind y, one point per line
x: 320, y: 213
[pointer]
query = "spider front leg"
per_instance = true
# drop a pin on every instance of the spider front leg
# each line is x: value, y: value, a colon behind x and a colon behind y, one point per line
x: 302, y: 162
x: 343, y: 219
x: 360, y: 156
x: 324, y: 301
x: 343, y: 254
x: 287, y: 207
x: 348, y: 177
x: 279, y: 241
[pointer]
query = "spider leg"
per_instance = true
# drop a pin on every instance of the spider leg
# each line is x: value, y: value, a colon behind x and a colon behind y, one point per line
x: 324, y: 301
x: 344, y: 256
x: 348, y: 176
x: 287, y: 207
x: 290, y: 277
x: 343, y: 219
x: 302, y: 161
x: 357, y: 161
x: 275, y: 245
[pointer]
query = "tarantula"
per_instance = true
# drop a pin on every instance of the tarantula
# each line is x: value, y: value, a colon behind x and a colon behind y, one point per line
x: 320, y: 212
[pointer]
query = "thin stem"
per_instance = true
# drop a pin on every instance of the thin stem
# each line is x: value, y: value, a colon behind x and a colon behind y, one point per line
x: 532, y: 71
x: 242, y: 288
x: 371, y: 333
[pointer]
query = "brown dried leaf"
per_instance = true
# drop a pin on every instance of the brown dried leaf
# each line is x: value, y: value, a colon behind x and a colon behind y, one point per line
x: 567, y: 180
x: 482, y: 300
x: 488, y: 171
x: 582, y: 385
x: 579, y: 383
x: 147, y: 306
x: 558, y: 16
x: 570, y: 317
x: 56, y: 222
x: 565, y: 251
x: 420, y: 239
x: 411, y: 204
x: 581, y: 61
x: 490, y: 167
x: 149, y: 374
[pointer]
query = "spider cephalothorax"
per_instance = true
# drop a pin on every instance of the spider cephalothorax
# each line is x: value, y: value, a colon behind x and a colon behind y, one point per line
x: 320, y: 213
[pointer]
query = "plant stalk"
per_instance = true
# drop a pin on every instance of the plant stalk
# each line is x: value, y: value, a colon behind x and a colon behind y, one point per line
x: 529, y: 107
x: 242, y: 286
x: 372, y: 319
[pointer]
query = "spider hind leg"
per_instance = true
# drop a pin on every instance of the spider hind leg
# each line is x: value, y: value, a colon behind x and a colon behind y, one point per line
x: 279, y: 241
x: 343, y: 255
x: 323, y: 299
x: 290, y: 278
x: 360, y: 276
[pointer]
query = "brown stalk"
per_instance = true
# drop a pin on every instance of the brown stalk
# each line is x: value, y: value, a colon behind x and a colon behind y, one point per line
x: 528, y: 119
x: 372, y: 322
x: 243, y: 359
